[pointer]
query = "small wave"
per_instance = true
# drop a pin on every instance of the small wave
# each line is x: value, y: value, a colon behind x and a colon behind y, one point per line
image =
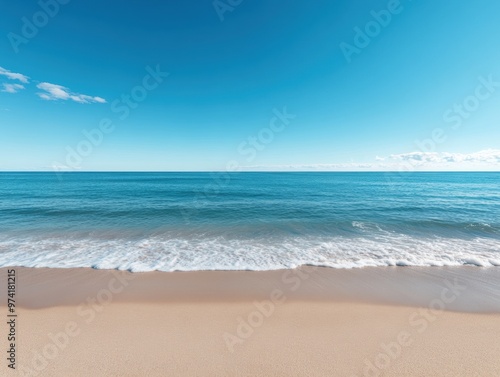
x: 358, y: 224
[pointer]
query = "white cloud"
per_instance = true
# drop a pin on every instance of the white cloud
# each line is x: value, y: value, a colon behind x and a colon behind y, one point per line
x: 12, y: 88
x: 488, y: 156
x: 53, y: 92
x: 488, y: 159
x: 14, y: 76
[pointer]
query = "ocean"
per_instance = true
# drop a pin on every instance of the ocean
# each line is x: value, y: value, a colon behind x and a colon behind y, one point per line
x: 248, y: 221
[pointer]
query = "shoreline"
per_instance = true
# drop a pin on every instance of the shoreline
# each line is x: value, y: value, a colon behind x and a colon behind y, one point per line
x: 400, y: 286
x: 391, y: 321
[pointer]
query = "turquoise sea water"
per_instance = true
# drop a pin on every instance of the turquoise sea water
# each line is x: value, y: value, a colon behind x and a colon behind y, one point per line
x: 256, y: 221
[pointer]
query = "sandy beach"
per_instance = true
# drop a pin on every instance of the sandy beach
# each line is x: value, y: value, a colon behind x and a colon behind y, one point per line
x: 304, y: 322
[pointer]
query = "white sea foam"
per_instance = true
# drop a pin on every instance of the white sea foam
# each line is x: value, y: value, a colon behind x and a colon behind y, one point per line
x: 221, y: 253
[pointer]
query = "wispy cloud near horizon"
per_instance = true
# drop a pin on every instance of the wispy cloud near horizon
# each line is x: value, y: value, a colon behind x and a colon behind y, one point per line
x: 488, y: 159
x: 491, y: 156
x: 54, y: 92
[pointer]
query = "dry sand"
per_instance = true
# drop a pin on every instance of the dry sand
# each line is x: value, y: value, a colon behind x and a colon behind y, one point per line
x: 305, y: 322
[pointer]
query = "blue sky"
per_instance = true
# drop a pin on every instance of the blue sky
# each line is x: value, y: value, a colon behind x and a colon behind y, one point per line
x: 260, y: 85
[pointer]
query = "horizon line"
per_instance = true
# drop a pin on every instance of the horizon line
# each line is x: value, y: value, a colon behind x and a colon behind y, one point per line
x: 249, y: 171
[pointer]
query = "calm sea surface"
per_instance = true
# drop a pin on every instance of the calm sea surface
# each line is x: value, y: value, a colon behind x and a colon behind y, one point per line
x: 256, y: 221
